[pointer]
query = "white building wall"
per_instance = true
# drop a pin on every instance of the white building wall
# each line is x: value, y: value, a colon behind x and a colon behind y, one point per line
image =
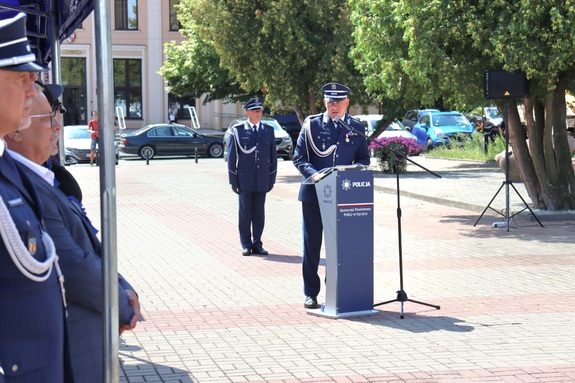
x: 155, y: 97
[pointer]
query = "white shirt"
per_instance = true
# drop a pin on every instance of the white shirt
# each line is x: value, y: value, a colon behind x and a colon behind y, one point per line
x: 46, y: 174
x: 253, y: 126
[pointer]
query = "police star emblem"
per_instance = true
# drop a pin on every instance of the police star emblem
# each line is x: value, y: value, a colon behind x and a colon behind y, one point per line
x: 327, y: 191
x: 346, y: 185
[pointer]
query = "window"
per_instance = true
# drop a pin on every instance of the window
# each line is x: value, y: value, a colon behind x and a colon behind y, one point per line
x: 128, y: 87
x: 162, y: 131
x: 182, y: 132
x: 74, y: 97
x: 175, y: 25
x: 181, y: 104
x: 126, y: 15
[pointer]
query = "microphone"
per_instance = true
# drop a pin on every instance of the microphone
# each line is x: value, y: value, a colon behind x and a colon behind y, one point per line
x: 346, y: 126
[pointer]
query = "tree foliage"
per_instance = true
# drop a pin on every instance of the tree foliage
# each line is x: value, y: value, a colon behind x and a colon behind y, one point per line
x: 284, y: 50
x: 425, y: 52
x: 192, y: 68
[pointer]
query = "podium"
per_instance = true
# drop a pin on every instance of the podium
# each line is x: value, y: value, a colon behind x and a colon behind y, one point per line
x: 345, y: 195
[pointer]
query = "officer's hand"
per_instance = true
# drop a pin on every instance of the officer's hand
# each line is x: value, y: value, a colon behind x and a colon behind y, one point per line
x: 236, y: 189
x: 271, y: 187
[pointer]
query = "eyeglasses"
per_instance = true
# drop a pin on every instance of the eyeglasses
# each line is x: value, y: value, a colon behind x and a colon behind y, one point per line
x: 50, y: 115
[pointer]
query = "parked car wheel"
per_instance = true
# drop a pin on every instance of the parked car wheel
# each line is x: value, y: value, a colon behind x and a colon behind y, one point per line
x: 216, y: 150
x: 147, y: 152
x: 429, y: 144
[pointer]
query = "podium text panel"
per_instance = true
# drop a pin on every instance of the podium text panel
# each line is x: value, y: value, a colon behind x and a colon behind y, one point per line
x: 346, y: 202
x: 355, y: 241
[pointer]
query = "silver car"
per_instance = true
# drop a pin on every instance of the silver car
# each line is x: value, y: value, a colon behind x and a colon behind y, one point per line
x: 284, y: 143
x: 77, y: 142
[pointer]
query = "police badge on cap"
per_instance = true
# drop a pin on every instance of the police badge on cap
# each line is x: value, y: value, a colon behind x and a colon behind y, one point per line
x: 15, y: 52
x: 334, y: 92
x: 254, y: 104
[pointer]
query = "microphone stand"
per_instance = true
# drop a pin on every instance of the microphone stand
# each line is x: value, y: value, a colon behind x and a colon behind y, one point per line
x: 401, y: 294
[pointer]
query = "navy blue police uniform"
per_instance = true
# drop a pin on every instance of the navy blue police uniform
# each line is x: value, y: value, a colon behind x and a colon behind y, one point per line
x: 252, y: 169
x: 32, y: 316
x: 323, y: 144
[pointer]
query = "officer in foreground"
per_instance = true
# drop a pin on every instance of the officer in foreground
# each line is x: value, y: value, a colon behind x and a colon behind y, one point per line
x: 252, y: 169
x: 78, y: 248
x: 323, y: 143
x: 32, y: 321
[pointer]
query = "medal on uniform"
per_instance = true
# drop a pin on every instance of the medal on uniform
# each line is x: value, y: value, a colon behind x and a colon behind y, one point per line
x: 347, y: 137
x: 32, y: 243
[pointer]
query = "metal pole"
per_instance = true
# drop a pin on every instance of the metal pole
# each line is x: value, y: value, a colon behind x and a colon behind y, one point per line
x: 507, y: 164
x: 105, y: 95
x: 56, y: 65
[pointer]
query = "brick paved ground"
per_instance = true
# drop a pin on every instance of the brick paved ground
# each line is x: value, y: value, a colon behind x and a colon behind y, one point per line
x: 507, y: 297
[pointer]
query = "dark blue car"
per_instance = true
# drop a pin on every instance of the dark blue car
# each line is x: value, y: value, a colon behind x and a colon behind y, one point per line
x: 441, y: 128
x: 170, y: 140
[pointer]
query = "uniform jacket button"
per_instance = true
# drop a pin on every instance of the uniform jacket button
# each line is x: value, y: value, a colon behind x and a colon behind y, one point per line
x: 15, y: 368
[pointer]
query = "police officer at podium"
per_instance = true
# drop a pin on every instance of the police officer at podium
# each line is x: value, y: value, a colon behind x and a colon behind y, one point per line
x: 323, y: 143
x: 252, y: 169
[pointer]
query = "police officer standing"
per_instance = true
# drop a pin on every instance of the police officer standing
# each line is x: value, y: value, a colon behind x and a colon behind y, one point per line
x: 252, y: 169
x: 323, y: 143
x: 32, y: 347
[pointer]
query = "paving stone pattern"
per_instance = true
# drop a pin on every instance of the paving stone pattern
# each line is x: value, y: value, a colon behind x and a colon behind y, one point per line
x: 507, y: 297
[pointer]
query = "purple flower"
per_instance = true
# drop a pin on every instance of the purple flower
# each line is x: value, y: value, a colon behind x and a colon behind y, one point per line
x: 399, y: 144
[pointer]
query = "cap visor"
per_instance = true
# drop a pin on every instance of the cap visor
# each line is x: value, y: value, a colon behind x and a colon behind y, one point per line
x: 335, y: 99
x: 27, y: 67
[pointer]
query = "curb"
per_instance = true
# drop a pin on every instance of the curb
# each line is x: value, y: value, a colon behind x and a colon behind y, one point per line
x: 542, y: 215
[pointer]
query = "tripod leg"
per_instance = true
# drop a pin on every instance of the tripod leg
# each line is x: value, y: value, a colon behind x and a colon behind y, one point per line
x: 402, y: 298
x: 489, y: 204
x: 386, y: 302
x: 425, y: 304
x: 526, y: 205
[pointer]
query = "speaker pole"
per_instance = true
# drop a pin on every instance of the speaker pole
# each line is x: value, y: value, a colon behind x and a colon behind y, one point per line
x: 500, y: 89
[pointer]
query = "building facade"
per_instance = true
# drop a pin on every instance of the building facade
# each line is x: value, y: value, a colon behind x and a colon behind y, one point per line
x: 140, y: 28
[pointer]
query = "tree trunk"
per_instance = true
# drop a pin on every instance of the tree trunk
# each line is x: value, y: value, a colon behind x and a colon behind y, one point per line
x: 299, y: 113
x: 535, y: 132
x: 312, y: 102
x: 545, y: 167
x: 518, y: 141
x: 563, y: 186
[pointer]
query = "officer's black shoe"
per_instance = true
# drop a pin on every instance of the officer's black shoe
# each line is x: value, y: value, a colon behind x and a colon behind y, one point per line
x: 310, y: 302
x: 259, y: 250
x: 246, y: 251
